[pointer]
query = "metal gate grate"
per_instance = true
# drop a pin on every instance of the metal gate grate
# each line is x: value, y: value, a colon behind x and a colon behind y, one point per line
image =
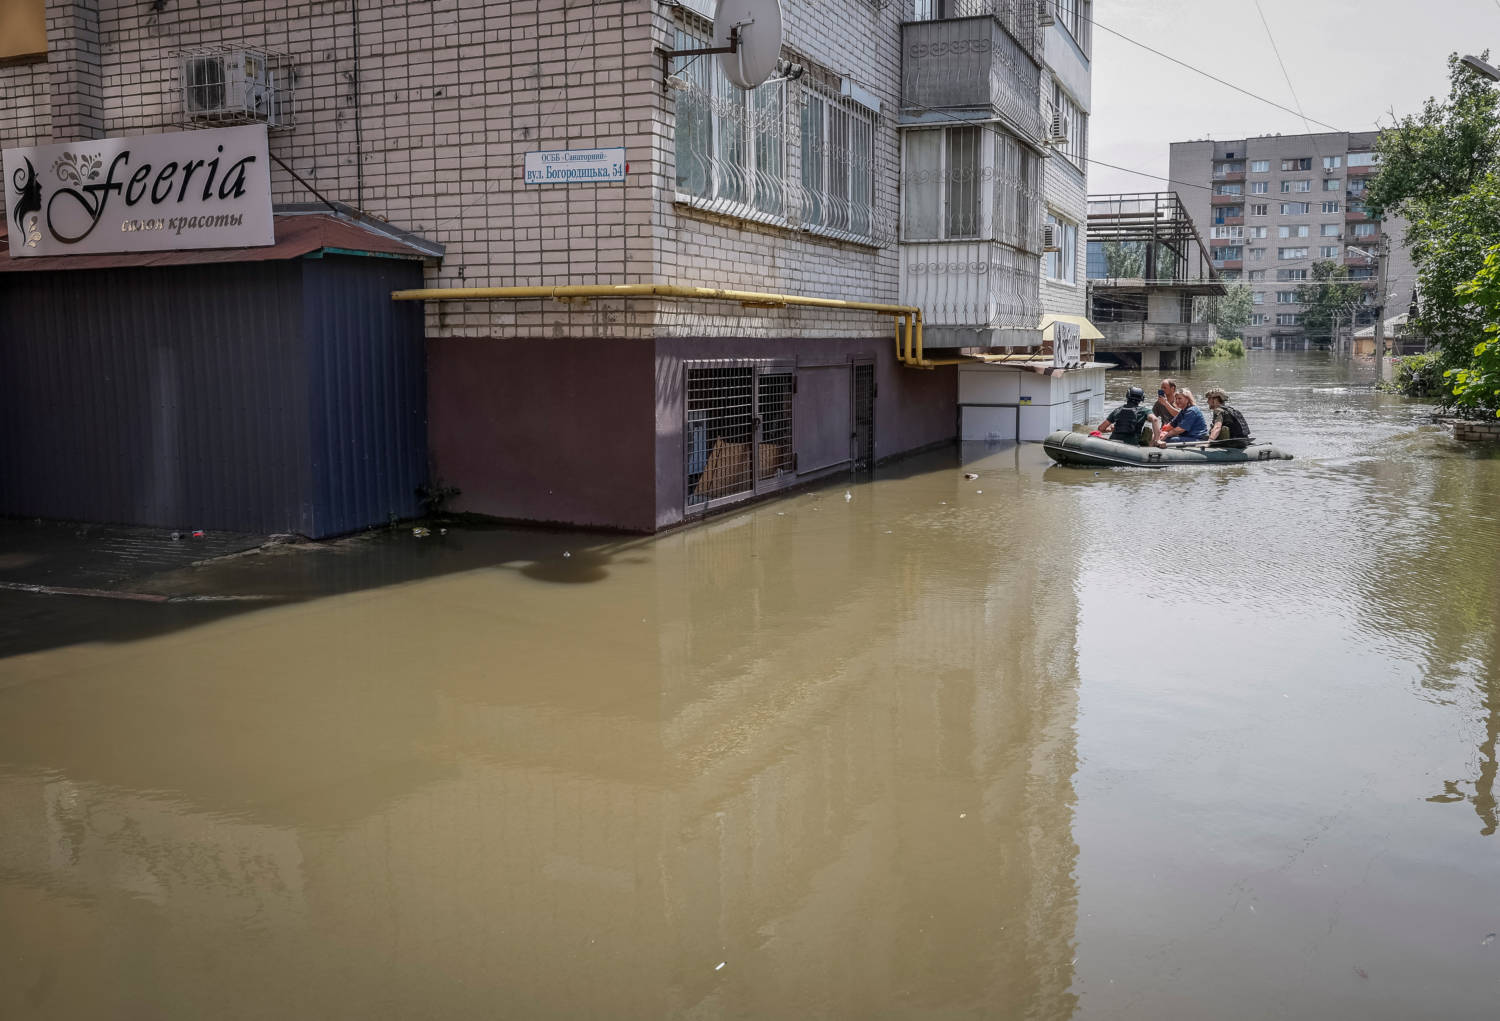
x: 864, y: 417
x: 773, y: 454
x: 720, y: 432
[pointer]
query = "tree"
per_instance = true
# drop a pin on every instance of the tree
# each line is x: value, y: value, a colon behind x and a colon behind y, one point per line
x: 1124, y: 261
x: 1230, y: 313
x: 1477, y: 384
x: 1440, y: 170
x: 1329, y: 297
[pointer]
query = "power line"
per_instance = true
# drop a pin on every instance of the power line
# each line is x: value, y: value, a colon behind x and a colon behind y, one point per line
x: 1206, y: 74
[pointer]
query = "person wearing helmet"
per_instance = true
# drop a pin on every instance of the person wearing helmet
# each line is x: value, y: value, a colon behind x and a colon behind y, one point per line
x: 1130, y: 422
x: 1228, y: 423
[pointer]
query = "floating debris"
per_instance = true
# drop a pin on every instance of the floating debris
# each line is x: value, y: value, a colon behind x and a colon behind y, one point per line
x: 720, y: 966
x: 848, y: 496
x: 566, y: 554
x: 420, y: 532
x: 1487, y: 940
x: 971, y: 476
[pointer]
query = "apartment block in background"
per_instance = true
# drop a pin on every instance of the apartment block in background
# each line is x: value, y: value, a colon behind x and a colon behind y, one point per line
x: 1271, y: 206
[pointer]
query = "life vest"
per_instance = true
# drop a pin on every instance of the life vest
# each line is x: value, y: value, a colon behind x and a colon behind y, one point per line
x: 1234, y: 424
x: 1128, y: 423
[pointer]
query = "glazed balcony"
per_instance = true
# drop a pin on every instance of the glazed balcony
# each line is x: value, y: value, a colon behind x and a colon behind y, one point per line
x: 1229, y: 175
x: 1227, y: 200
x: 971, y: 66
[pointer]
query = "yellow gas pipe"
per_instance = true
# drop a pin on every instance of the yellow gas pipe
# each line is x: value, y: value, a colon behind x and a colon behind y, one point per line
x: 910, y: 353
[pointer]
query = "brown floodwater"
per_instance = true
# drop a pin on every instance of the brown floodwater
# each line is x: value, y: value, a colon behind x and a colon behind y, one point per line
x: 1046, y: 744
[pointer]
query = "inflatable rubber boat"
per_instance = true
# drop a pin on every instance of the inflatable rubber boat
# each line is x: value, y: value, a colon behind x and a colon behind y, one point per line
x: 1066, y: 447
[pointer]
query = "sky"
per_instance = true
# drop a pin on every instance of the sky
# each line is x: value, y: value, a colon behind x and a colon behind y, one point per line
x: 1352, y: 64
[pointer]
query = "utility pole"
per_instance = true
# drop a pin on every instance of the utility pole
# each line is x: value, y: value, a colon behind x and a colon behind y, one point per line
x: 1383, y: 250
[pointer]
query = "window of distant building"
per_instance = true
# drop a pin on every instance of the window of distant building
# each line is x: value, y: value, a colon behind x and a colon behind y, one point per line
x: 1332, y: 183
x: 1364, y: 230
x: 1286, y: 297
x: 1258, y: 298
x: 1257, y: 274
x: 1077, y: 17
x: 1260, y: 166
x: 1256, y: 254
x: 1331, y: 207
x: 1332, y: 162
x: 1291, y: 253
x: 1328, y: 252
x: 1363, y: 159
x: 1291, y: 274
x: 1301, y: 163
x: 1258, y: 209
x: 1330, y: 230
x: 1293, y: 208
x: 1258, y: 232
x: 1229, y: 189
x: 1259, y: 187
x: 1298, y: 231
x: 1288, y: 319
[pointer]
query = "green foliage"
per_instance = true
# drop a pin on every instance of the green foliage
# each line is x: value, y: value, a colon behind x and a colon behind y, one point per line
x: 1232, y: 348
x: 1230, y: 314
x: 1440, y: 170
x: 1125, y: 260
x: 1477, y: 383
x: 1442, y: 152
x: 1419, y: 376
x: 1328, y: 298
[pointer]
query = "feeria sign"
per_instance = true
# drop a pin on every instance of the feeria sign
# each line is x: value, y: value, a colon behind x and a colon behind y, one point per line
x: 150, y: 193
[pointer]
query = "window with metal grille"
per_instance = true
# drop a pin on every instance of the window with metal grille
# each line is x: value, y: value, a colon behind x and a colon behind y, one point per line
x: 737, y: 431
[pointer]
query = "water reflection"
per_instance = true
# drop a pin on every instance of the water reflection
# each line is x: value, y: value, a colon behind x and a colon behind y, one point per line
x: 827, y: 744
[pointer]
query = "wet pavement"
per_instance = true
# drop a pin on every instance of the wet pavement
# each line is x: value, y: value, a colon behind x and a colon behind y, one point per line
x: 1049, y: 743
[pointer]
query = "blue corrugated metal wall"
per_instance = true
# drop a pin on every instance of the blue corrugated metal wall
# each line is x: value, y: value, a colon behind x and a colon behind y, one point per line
x: 202, y: 397
x: 368, y: 374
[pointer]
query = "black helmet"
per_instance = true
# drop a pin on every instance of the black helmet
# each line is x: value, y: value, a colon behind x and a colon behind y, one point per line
x: 1134, y: 395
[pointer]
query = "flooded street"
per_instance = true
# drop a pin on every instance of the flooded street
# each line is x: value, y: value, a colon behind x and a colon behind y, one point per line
x: 1052, y: 743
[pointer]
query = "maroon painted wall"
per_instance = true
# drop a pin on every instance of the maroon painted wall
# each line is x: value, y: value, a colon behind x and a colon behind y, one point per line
x: 914, y: 408
x: 550, y: 430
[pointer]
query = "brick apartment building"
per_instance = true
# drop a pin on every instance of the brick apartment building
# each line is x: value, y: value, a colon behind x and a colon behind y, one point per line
x: 894, y: 158
x: 1271, y: 206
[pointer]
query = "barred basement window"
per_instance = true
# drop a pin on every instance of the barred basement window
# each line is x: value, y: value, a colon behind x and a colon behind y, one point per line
x: 737, y: 431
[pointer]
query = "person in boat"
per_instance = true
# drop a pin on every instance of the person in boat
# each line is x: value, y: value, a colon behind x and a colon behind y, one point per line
x: 1130, y: 422
x: 1188, y: 426
x: 1166, y: 400
x: 1228, y: 423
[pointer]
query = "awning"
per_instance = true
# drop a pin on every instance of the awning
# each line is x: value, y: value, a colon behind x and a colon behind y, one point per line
x: 1088, y: 331
x: 298, y: 235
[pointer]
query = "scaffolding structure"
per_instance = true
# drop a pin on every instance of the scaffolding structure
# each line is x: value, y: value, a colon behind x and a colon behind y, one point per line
x: 1154, y: 231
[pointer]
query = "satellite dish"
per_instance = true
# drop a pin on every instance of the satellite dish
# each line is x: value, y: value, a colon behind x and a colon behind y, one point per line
x: 759, y: 28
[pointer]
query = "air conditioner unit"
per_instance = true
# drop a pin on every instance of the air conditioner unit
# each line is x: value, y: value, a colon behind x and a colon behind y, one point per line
x: 1330, y: 171
x: 1044, y: 17
x: 1057, y: 134
x: 1049, y: 238
x: 234, y: 86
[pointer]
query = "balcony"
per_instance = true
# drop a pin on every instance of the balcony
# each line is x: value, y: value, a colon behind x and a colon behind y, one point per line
x: 1229, y: 175
x: 1355, y: 215
x: 971, y: 65
x: 973, y: 293
x: 1227, y: 200
x: 1229, y: 264
x: 1360, y: 171
x: 1232, y: 221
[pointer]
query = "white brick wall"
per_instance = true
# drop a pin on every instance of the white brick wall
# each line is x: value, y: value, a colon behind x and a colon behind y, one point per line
x: 1065, y: 193
x: 451, y: 94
